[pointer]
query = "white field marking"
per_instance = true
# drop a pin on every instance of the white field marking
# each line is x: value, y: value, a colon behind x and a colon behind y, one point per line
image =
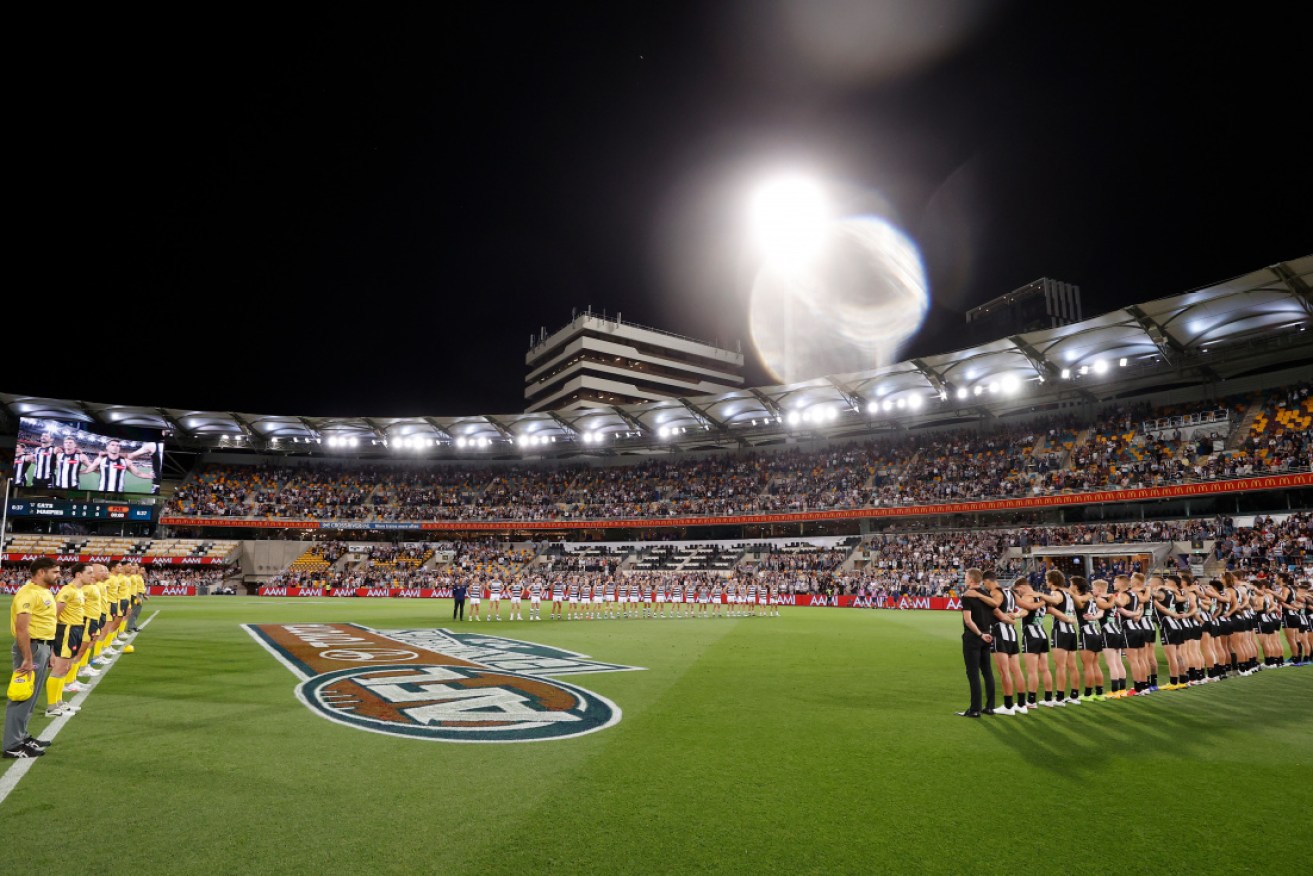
x: 15, y: 773
x: 278, y: 655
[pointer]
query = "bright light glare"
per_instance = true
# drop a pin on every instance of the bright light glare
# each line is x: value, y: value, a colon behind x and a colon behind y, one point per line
x: 789, y: 218
x: 1011, y: 384
x: 961, y: 393
x: 1100, y: 367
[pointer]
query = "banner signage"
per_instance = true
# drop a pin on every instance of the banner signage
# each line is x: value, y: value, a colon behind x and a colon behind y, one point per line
x: 904, y: 603
x: 171, y: 590
x: 114, y: 558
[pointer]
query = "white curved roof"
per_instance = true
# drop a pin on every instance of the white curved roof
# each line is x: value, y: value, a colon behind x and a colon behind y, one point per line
x: 1204, y: 330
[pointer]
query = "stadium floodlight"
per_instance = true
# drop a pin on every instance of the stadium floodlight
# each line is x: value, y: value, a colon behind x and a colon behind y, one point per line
x: 914, y: 402
x: 943, y: 395
x: 961, y: 393
x: 978, y: 389
x: 1084, y: 369
x: 1066, y: 374
x: 332, y: 440
x: 887, y: 405
x: 1100, y: 367
x: 1121, y: 363
x: 872, y: 407
x: 1010, y: 384
x: 461, y: 442
x: 993, y: 387
x: 794, y: 418
x: 901, y: 403
x: 790, y: 215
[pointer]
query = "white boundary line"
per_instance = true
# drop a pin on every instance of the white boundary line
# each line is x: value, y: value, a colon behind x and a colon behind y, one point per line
x: 15, y: 773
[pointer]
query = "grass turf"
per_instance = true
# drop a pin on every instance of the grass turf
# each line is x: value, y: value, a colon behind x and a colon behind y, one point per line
x: 823, y: 741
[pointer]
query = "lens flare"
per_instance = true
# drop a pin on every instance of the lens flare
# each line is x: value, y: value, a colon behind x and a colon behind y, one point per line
x: 849, y: 309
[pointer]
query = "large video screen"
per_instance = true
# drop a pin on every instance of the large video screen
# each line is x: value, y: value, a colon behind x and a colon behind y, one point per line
x: 68, y: 456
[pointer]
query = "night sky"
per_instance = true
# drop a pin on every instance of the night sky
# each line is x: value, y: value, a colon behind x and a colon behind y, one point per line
x: 333, y: 215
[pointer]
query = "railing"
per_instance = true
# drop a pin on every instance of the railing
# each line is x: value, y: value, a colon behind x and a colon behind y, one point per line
x: 1205, y: 418
x: 617, y: 321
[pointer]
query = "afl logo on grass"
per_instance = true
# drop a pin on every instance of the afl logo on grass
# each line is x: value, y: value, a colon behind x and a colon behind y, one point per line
x: 439, y: 685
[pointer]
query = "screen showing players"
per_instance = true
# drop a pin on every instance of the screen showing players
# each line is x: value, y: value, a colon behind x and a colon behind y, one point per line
x: 69, y: 456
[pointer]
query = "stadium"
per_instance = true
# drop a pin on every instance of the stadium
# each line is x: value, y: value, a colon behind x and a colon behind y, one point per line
x: 909, y: 468
x: 795, y: 555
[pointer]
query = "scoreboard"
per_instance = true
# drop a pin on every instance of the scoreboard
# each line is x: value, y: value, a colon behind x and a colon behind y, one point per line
x: 80, y: 510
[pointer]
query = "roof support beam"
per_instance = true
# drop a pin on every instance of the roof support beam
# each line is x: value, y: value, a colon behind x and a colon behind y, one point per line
x: 768, y: 402
x: 1298, y: 288
x: 433, y: 423
x: 629, y: 421
x: 936, y: 379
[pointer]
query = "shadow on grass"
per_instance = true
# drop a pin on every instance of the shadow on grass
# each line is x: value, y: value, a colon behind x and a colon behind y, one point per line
x: 1076, y: 741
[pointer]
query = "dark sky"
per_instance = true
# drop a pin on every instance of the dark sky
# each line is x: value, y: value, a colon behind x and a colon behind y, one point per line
x: 336, y: 214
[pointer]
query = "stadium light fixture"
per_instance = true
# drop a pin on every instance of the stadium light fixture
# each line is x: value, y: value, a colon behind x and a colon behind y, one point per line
x: 914, y: 402
x: 961, y: 393
x: 901, y: 403
x: 978, y: 389
x: 1121, y: 363
x: 1101, y: 367
x: 872, y: 407
x: 1010, y: 384
x: 794, y: 418
x: 1066, y: 374
x: 789, y: 218
x: 461, y: 442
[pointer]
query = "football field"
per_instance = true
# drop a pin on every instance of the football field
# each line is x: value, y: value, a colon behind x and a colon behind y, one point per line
x: 823, y: 741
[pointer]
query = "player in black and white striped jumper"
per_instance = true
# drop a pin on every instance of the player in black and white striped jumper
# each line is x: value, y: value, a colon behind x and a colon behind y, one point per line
x: 1007, y: 650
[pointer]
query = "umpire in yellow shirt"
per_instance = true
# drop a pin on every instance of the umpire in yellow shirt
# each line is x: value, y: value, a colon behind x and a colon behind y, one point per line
x: 32, y: 618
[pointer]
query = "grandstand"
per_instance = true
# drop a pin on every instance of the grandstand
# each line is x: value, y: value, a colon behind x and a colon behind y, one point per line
x: 1195, y: 404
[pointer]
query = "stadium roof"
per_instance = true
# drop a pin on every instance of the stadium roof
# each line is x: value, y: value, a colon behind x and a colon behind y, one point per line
x: 1225, y: 330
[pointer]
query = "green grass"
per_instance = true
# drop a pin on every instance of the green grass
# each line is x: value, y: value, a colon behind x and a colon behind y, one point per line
x: 820, y: 742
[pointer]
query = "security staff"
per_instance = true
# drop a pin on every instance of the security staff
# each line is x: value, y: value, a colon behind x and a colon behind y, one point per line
x: 32, y: 620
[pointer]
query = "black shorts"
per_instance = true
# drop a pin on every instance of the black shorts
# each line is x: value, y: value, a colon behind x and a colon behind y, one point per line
x: 1115, y: 641
x: 60, y: 648
x: 1293, y: 622
x: 1036, y: 643
x: 113, y: 609
x: 1170, y: 635
x: 1004, y: 646
x: 1268, y: 626
x: 1064, y: 641
x: 1214, y: 628
x: 1091, y: 641
x: 123, y: 606
x: 1134, y: 638
x: 1194, y: 633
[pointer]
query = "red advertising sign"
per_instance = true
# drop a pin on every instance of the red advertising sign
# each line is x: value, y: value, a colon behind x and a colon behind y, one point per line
x: 171, y: 590
x: 114, y: 558
x: 931, y: 603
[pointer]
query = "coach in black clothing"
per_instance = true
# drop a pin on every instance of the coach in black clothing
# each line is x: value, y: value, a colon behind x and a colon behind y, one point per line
x: 977, y: 615
x: 458, y: 594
